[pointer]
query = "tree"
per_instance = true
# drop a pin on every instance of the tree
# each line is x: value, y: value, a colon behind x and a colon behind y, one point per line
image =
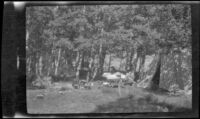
x: 63, y: 39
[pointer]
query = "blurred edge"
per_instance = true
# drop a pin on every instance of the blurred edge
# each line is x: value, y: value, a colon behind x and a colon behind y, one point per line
x: 7, y: 79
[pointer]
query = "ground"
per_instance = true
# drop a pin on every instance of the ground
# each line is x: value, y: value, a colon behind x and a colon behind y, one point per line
x: 103, y: 100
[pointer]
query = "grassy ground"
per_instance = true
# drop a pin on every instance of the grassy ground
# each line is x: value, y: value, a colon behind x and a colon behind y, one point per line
x: 103, y: 100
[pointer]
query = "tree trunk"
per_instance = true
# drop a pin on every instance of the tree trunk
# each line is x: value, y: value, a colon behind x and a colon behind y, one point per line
x: 110, y: 60
x: 177, y: 68
x: 154, y: 83
x: 99, y: 69
x: 127, y: 61
x: 36, y: 66
x: 89, y: 75
x: 77, y: 60
x: 29, y: 62
x: 40, y: 65
x: 141, y: 65
x: 101, y: 61
x: 135, y: 60
x: 94, y: 68
x: 130, y: 60
x: 68, y: 60
x: 49, y: 68
x: 139, y: 60
x: 120, y: 64
x: 100, y: 58
x: 80, y: 60
x: 102, y: 54
x: 57, y: 62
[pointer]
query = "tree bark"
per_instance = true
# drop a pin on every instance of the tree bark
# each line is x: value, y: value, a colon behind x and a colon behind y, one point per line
x: 29, y: 62
x: 40, y: 65
x: 135, y: 61
x: 68, y: 59
x: 177, y: 68
x: 94, y: 68
x: 110, y: 60
x: 89, y: 75
x: 102, y: 54
x: 77, y: 60
x: 57, y: 62
x: 80, y: 60
x: 130, y: 60
x: 101, y: 61
x: 127, y: 61
x: 141, y: 65
x: 36, y: 65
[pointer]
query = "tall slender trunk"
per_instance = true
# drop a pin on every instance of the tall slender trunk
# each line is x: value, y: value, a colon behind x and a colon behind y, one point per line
x: 36, y: 65
x: 48, y: 72
x: 68, y: 59
x: 94, y: 67
x: 139, y: 60
x: 177, y: 68
x: 40, y: 65
x: 120, y: 65
x: 130, y: 60
x: 90, y: 65
x: 101, y: 63
x: 135, y: 60
x: 29, y: 62
x: 102, y: 54
x: 51, y: 62
x: 110, y: 60
x: 57, y: 61
x: 127, y: 61
x: 79, y: 65
x: 77, y: 59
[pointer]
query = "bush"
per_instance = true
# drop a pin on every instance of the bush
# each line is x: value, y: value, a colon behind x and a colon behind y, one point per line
x: 30, y: 79
x: 42, y: 82
x: 174, y: 88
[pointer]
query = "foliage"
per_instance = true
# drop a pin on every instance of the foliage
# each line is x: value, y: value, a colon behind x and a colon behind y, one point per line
x: 117, y: 29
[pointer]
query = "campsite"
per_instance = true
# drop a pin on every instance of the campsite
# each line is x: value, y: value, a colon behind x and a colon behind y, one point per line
x: 108, y: 59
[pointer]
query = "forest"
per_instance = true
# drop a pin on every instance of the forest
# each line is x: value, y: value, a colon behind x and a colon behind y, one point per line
x: 81, y: 42
x: 66, y: 46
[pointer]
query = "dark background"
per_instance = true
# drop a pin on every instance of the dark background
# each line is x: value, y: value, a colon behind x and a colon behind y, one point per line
x: 13, y: 79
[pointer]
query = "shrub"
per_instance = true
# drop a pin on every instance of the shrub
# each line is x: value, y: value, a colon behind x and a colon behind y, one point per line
x: 174, y: 88
x: 30, y: 79
x: 42, y: 83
